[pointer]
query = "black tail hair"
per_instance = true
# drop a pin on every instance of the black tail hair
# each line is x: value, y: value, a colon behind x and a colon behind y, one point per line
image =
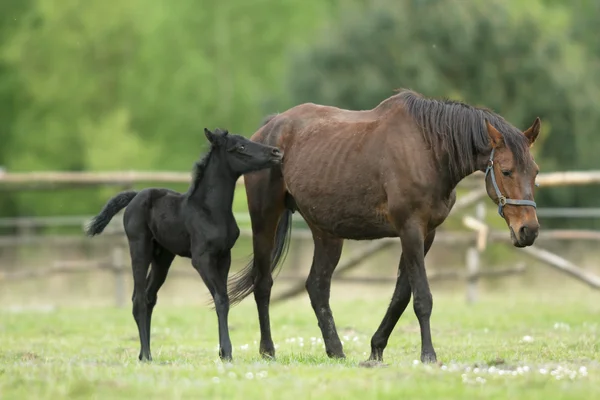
x: 242, y: 283
x: 111, y: 208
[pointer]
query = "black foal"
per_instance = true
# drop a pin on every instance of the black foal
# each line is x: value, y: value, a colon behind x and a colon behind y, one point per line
x: 199, y: 224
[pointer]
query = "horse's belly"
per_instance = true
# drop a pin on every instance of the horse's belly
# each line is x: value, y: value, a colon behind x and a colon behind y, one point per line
x: 357, y: 225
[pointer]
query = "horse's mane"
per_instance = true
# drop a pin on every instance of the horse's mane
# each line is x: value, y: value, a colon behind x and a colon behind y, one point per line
x: 459, y: 130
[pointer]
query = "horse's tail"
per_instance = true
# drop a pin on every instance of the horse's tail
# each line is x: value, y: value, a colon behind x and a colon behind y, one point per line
x: 242, y: 283
x: 111, y: 208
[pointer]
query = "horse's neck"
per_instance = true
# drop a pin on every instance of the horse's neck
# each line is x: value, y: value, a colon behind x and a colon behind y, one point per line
x: 216, y: 189
x: 482, y: 160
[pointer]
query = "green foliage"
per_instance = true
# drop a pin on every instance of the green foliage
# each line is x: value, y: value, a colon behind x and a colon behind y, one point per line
x: 99, y: 85
x: 111, y: 85
x: 513, y: 57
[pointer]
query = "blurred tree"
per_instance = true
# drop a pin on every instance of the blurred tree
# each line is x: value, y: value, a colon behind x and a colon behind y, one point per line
x: 106, y: 84
x: 511, y: 56
x: 11, y: 12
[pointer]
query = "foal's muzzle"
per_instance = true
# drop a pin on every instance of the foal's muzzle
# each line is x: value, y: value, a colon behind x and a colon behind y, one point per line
x: 276, y: 156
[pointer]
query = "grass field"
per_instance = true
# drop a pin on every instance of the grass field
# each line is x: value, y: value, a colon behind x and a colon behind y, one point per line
x: 506, y: 346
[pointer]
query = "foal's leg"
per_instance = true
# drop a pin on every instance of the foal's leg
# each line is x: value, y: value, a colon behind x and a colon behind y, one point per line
x: 413, y: 251
x: 213, y: 269
x: 222, y: 304
x: 140, y: 249
x: 400, y: 300
x: 325, y: 258
x: 158, y: 273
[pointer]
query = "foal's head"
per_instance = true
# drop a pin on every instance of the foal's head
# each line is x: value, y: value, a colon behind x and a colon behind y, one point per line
x: 243, y: 155
x: 510, y: 182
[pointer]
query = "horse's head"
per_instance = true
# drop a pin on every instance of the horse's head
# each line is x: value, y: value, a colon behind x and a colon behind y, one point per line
x: 510, y: 183
x: 243, y: 155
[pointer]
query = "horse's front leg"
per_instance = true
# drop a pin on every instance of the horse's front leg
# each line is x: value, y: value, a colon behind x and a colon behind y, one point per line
x: 400, y: 300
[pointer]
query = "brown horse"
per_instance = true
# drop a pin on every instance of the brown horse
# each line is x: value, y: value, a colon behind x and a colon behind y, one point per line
x: 386, y: 172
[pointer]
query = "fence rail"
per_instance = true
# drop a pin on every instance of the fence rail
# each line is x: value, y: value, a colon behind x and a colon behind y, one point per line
x: 115, y: 263
x: 40, y: 180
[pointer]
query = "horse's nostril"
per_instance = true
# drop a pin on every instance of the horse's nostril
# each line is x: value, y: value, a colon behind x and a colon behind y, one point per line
x: 275, y: 152
x: 523, y: 232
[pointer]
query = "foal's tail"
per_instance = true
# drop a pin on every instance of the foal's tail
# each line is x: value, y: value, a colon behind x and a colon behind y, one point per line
x: 242, y: 283
x: 111, y: 208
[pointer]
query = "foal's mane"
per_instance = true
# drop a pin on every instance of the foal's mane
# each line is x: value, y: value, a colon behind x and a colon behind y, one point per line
x: 200, y: 166
x: 198, y: 170
x: 458, y: 129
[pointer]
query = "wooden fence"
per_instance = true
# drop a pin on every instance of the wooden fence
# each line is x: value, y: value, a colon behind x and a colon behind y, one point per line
x: 116, y: 263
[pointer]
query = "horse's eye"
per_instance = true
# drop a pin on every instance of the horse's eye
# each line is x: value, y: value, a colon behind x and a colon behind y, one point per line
x: 506, y: 173
x: 241, y: 148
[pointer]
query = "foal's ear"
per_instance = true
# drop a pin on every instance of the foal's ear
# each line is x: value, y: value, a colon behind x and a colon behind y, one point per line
x: 533, y: 131
x: 496, y: 138
x: 212, y: 138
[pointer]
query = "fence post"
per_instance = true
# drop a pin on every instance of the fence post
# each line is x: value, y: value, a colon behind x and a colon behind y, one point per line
x: 119, y: 273
x: 473, y: 257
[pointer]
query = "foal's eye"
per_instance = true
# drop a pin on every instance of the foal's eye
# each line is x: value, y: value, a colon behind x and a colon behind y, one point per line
x: 506, y: 172
x: 241, y: 148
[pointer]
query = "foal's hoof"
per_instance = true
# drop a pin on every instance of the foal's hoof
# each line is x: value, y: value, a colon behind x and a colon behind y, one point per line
x: 428, y: 358
x: 339, y: 355
x: 144, y: 359
x: 372, y: 364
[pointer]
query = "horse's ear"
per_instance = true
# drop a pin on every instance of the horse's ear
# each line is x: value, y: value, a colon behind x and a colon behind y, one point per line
x: 496, y: 138
x: 210, y: 136
x: 533, y: 131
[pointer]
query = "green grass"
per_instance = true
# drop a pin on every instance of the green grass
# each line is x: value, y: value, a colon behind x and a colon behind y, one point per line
x: 92, y: 352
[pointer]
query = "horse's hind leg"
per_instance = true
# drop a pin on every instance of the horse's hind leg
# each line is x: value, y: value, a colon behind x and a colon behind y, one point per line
x: 266, y: 194
x: 141, y: 249
x: 325, y: 258
x: 158, y: 273
x: 413, y: 238
x: 400, y: 300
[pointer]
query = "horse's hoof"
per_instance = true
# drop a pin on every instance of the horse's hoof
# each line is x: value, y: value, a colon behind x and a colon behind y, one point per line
x: 268, y: 356
x: 376, y: 355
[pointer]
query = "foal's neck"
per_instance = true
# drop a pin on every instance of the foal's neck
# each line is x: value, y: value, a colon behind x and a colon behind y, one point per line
x: 215, y: 190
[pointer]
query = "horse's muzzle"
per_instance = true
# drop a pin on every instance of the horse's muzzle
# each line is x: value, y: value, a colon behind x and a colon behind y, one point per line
x: 526, y: 235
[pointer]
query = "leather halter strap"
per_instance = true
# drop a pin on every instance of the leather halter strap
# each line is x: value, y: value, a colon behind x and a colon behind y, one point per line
x: 502, y: 201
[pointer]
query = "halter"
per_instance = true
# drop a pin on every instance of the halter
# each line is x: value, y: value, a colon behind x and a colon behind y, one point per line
x: 502, y: 201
